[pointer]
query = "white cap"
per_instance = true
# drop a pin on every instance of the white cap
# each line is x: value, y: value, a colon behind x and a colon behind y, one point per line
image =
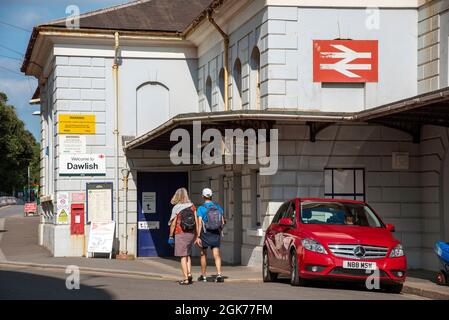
x: 207, y: 192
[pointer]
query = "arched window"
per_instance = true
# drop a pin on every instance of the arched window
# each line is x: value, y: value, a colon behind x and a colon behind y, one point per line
x: 221, y: 87
x: 237, y: 87
x: 208, y: 92
x: 255, y: 79
x: 153, y: 106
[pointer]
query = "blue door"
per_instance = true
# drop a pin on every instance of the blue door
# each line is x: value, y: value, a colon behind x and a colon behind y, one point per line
x: 154, y: 192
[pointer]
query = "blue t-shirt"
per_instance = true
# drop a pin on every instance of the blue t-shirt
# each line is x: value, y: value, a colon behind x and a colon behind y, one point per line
x: 202, y: 210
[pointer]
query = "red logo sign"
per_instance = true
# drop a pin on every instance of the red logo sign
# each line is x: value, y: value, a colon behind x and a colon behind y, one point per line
x: 345, y: 60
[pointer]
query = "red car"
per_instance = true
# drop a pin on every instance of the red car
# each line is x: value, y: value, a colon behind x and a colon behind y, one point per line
x: 332, y: 239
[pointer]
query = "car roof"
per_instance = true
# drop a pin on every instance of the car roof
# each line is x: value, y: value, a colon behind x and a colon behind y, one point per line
x: 330, y: 200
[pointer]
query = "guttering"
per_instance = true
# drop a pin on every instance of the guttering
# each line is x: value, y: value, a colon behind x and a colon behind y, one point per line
x: 225, y: 58
x: 202, y: 16
x: 403, y: 105
x: 115, y: 75
x: 94, y: 33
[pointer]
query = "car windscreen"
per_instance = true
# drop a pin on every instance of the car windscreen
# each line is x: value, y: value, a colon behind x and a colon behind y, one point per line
x: 339, y: 213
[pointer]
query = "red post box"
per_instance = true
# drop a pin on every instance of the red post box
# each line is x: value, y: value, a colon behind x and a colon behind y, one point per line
x: 77, y: 218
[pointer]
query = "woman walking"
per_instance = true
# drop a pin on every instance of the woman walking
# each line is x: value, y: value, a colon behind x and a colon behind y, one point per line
x: 183, y: 225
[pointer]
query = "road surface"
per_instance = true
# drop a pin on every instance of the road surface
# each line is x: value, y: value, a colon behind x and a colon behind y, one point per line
x: 37, y: 283
x: 32, y: 283
x: 11, y: 211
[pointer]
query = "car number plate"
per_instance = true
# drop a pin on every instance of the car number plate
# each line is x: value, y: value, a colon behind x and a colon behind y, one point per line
x: 359, y: 265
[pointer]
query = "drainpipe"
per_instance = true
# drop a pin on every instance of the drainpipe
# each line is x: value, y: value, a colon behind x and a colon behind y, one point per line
x: 125, y: 174
x: 116, y: 133
x: 226, y: 58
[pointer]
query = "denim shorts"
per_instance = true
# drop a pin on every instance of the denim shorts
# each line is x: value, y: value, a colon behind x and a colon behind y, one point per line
x: 210, y: 239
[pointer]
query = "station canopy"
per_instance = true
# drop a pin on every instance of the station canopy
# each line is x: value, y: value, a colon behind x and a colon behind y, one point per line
x: 407, y: 115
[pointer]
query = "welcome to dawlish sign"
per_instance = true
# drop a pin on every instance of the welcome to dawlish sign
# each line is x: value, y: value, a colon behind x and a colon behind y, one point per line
x: 82, y: 165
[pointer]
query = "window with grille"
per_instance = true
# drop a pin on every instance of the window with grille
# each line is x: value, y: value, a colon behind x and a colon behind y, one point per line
x: 344, y: 183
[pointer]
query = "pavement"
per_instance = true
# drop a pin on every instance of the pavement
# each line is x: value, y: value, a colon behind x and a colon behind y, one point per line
x: 19, y: 249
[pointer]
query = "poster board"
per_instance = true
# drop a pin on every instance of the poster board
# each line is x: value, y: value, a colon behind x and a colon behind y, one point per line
x: 62, y: 208
x: 30, y: 209
x: 76, y: 124
x: 99, y: 202
x: 101, y: 237
x: 72, y: 144
x: 149, y: 202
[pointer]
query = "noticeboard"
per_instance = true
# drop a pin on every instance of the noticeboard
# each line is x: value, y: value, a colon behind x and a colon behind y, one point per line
x: 76, y: 124
x: 149, y: 202
x: 63, y: 208
x: 101, y: 237
x: 99, y: 202
x: 72, y: 144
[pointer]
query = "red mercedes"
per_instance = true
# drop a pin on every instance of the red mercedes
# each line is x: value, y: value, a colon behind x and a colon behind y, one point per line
x: 333, y: 239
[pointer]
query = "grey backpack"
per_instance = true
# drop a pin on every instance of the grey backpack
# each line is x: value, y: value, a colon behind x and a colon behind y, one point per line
x: 214, y: 221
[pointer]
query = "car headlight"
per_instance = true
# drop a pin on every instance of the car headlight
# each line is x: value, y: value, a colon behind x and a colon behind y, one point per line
x: 397, y: 251
x: 312, y: 245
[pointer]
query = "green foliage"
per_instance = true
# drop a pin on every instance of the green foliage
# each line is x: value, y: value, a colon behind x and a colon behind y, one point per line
x: 18, y: 149
x: 3, y: 97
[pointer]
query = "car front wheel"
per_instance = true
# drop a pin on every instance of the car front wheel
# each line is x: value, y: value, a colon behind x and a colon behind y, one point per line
x: 267, y: 275
x: 295, y: 280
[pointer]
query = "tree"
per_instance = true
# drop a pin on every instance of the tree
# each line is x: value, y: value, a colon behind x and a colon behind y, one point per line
x: 17, y: 149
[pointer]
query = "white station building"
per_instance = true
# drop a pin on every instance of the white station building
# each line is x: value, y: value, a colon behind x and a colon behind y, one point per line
x: 358, y: 90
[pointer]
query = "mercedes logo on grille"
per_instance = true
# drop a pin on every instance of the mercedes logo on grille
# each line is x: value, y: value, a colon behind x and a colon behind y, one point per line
x: 359, y: 251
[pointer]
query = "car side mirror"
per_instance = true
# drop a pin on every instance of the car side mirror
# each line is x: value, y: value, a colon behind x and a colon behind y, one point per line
x: 286, y: 222
x: 390, y: 227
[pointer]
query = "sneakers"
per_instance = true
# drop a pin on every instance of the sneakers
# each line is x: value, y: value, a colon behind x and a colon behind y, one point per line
x: 219, y: 278
x: 202, y: 279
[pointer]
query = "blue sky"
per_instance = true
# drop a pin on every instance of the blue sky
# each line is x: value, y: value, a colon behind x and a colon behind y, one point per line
x: 17, y: 18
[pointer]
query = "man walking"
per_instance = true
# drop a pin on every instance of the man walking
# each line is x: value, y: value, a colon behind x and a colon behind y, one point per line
x: 210, y: 224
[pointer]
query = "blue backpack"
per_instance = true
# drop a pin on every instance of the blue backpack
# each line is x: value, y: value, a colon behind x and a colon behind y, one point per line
x: 214, y: 221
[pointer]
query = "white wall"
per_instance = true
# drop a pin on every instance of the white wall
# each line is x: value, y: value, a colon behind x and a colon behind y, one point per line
x: 81, y: 82
x: 433, y: 28
x: 397, y: 36
x: 177, y: 75
x: 284, y: 36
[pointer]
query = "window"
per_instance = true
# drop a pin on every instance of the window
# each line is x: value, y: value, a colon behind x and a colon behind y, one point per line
x: 237, y: 88
x: 344, y: 184
x: 153, y: 106
x: 339, y: 213
x: 221, y: 86
x: 255, y: 78
x: 255, y: 200
x: 209, y: 106
x: 290, y: 211
x: 282, y: 209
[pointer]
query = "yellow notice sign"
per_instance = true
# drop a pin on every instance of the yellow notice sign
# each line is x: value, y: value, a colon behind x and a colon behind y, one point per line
x: 76, y: 124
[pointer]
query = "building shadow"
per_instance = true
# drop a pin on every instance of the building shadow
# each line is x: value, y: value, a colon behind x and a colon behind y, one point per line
x: 16, y: 285
x: 423, y: 274
x: 196, y: 261
x: 335, y: 285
